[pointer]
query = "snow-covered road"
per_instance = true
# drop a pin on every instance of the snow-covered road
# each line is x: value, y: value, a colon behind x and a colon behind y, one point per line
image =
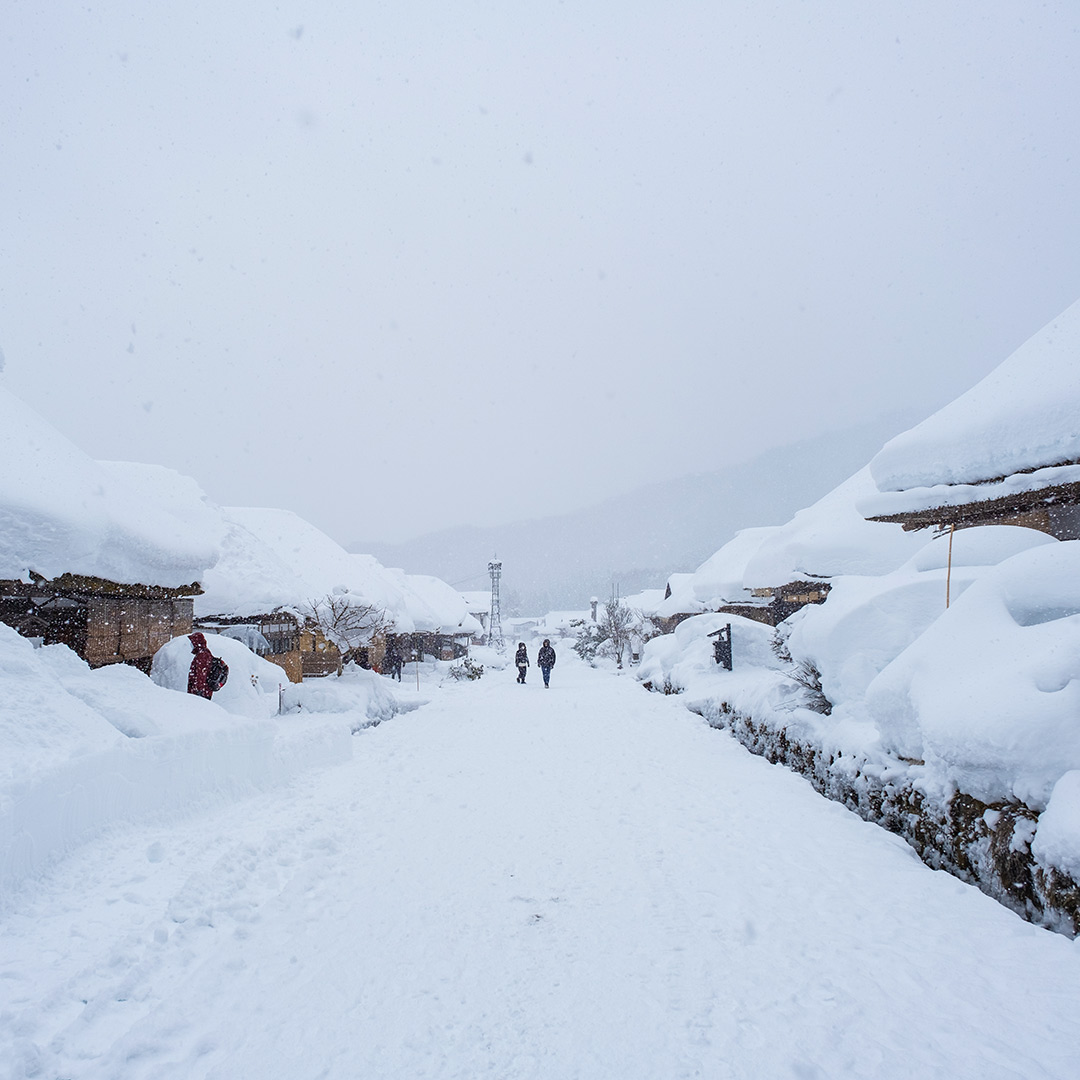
x: 519, y: 883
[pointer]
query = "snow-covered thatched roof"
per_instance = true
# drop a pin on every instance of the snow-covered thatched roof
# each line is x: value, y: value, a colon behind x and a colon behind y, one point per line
x: 61, y: 512
x: 478, y: 601
x: 718, y: 581
x: 274, y: 559
x: 1014, y: 433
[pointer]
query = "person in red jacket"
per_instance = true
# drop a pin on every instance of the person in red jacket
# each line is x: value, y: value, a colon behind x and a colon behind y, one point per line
x: 198, y: 673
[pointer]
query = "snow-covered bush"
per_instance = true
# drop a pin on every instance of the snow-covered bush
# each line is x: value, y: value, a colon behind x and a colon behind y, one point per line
x: 467, y: 669
x: 803, y: 673
x: 588, y: 637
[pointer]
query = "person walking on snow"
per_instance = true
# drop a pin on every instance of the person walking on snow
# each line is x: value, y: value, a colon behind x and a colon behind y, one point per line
x: 392, y: 661
x: 522, y: 661
x: 545, y: 658
x: 198, y: 679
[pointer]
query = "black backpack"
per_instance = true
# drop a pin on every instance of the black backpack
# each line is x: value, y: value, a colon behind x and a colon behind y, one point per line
x: 217, y: 674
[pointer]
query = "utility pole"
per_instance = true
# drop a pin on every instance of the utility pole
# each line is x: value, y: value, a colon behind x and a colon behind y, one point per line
x: 495, y: 634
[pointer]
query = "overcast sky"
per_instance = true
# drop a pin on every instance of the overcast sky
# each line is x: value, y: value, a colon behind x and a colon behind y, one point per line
x: 398, y: 266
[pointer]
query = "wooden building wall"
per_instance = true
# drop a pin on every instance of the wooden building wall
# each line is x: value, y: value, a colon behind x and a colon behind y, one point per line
x: 130, y: 629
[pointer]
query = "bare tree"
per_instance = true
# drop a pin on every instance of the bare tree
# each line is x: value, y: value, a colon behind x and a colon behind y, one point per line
x: 347, y: 620
x: 618, y: 622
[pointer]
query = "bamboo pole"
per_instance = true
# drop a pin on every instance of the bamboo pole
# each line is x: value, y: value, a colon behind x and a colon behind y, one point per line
x: 948, y: 572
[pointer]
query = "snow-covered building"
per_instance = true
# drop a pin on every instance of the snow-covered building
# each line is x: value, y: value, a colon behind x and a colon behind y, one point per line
x: 275, y: 568
x: 794, y: 565
x: 1005, y: 452
x: 478, y: 605
x: 936, y: 689
x: 716, y: 585
x: 770, y: 572
x: 104, y: 557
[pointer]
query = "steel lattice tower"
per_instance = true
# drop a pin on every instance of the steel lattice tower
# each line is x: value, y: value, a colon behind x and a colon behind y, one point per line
x: 495, y: 634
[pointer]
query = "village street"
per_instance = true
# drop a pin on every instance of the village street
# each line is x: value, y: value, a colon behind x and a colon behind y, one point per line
x: 513, y: 882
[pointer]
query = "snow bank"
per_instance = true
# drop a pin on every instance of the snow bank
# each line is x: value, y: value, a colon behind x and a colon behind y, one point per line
x: 986, y: 693
x: 916, y: 715
x: 82, y: 750
x: 39, y: 717
x: 61, y: 512
x: 1024, y: 415
x: 258, y: 689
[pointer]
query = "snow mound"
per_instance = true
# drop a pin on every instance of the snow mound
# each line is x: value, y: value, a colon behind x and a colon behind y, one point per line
x: 363, y: 695
x: 989, y: 693
x: 40, y: 719
x: 1057, y: 840
x: 868, y: 621
x: 253, y: 683
x: 684, y: 659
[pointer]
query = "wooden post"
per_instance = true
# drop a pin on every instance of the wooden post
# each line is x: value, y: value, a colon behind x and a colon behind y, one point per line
x: 948, y: 572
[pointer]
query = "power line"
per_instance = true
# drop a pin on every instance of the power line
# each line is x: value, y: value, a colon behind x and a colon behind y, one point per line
x: 465, y: 581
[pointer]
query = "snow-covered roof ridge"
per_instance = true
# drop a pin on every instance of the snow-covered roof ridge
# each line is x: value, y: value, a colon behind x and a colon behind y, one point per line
x: 61, y: 512
x: 911, y: 501
x: 273, y: 559
x: 1022, y: 417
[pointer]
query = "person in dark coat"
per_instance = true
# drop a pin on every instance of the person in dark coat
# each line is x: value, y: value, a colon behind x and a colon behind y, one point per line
x: 545, y: 658
x: 522, y: 661
x: 198, y: 674
x: 392, y: 660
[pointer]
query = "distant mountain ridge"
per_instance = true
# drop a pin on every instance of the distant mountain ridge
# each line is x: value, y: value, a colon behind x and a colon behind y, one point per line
x: 637, y: 539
